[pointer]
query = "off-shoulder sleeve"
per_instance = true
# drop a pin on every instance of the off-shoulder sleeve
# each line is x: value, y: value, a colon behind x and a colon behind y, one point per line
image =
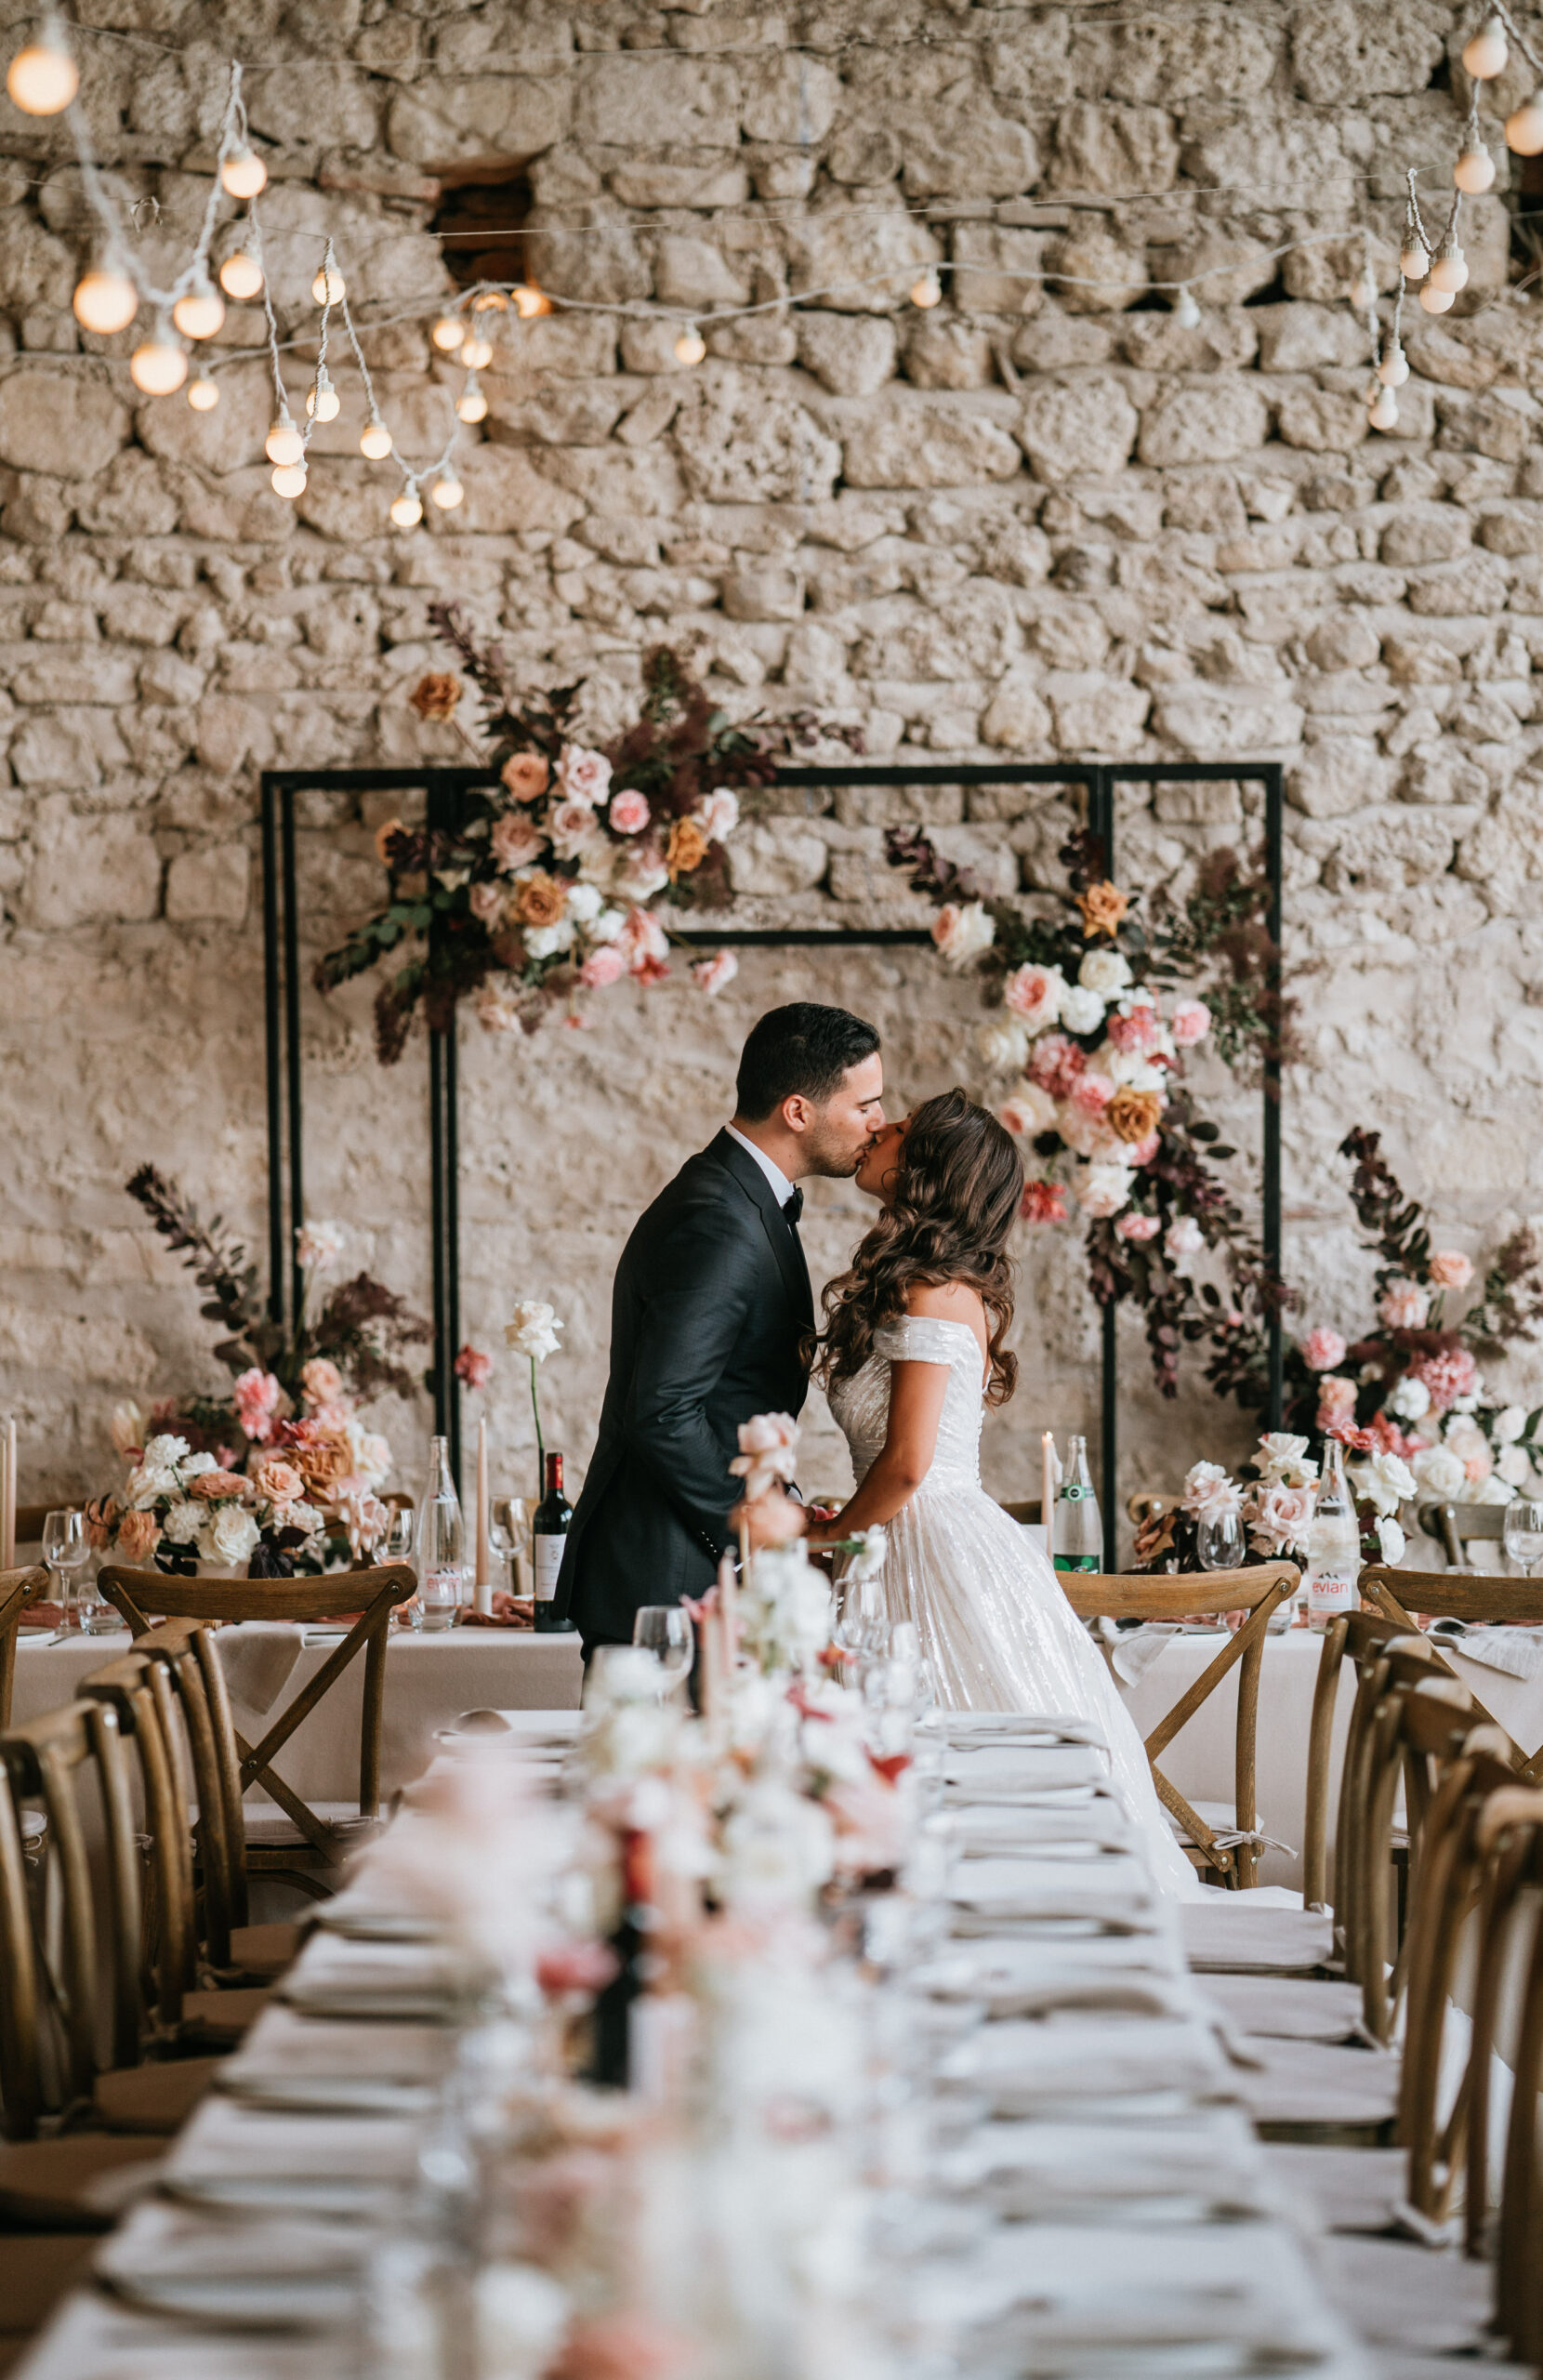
x: 920, y: 1338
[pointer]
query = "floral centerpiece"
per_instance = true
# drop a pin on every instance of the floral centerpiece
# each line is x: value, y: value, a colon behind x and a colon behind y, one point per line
x: 1274, y: 1496
x: 1091, y: 1029
x: 1411, y: 1386
x: 552, y: 880
x: 290, y: 1434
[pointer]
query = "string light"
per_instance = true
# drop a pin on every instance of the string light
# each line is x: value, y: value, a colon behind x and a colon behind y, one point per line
x: 323, y: 402
x: 105, y: 301
x: 406, y: 510
x: 329, y: 285
x: 290, y: 480
x: 690, y: 347
x: 1414, y: 261
x: 1185, y: 312
x: 477, y: 352
x: 1363, y: 294
x: 1525, y: 127
x: 1394, y: 368
x: 42, y: 78
x: 1486, y: 54
x: 375, y: 440
x: 446, y: 492
x: 1437, y: 301
x: 200, y: 313
x: 529, y: 302
x: 490, y: 301
x: 1384, y: 410
x: 283, y: 444
x: 1448, y: 266
x: 203, y: 392
x: 471, y: 404
x: 928, y: 291
x: 241, y: 274
x: 160, y: 365
x: 244, y: 175
x: 1474, y: 170
x: 448, y: 332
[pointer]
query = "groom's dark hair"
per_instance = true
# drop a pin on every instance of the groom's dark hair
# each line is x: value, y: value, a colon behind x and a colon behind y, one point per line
x: 802, y: 1048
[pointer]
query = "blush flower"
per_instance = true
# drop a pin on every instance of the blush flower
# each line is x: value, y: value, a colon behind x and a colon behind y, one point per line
x: 584, y: 775
x: 1191, y: 1022
x: 1034, y: 994
x: 1029, y: 1111
x: 1404, y: 1305
x: 1335, y: 1400
x: 1210, y: 1493
x: 572, y: 828
x: 643, y: 942
x: 1103, y: 1190
x: 962, y: 932
x: 629, y: 812
x: 603, y: 967
x: 1055, y: 1063
x: 321, y: 1381
x: 526, y: 775
x: 1138, y: 1228
x: 1322, y: 1350
x: 1182, y: 1241
x: 473, y: 1366
x: 277, y: 1481
x: 719, y: 813
x: 1448, y: 1374
x: 1135, y: 1033
x: 1142, y: 1152
x: 485, y: 901
x: 515, y: 842
x: 256, y: 1395
x: 710, y: 975
x: 138, y: 1533
x: 1281, y: 1520
x: 215, y: 1487
x: 1043, y: 1202
x: 1450, y: 1269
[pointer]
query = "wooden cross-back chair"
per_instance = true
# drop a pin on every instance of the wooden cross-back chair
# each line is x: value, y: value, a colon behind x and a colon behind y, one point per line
x: 18, y: 1588
x: 1485, y: 1596
x: 1098, y: 1595
x: 1454, y: 1527
x: 318, y: 1844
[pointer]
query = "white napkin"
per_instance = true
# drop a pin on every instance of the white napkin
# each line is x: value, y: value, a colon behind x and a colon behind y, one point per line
x: 257, y: 1659
x: 995, y: 1769
x: 967, y: 1727
x: 1109, y: 1885
x: 162, y: 2242
x: 1134, y: 1649
x: 91, y: 2338
x: 1020, y: 2065
x: 283, y: 2046
x: 224, y: 2138
x: 1517, y: 1652
x: 1210, y: 2154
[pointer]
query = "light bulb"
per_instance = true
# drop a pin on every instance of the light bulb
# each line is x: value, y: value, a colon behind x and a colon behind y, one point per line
x: 375, y: 440
x: 690, y: 347
x: 1365, y: 292
x: 105, y: 301
x: 241, y: 274
x: 243, y: 174
x: 406, y: 511
x: 1185, y: 311
x: 160, y: 365
x: 1486, y: 54
x: 1393, y: 369
x: 329, y: 287
x: 1384, y: 412
x: 447, y: 491
x: 1474, y: 170
x: 471, y: 405
x: 477, y: 353
x: 200, y: 313
x: 529, y: 302
x: 203, y: 393
x: 42, y: 78
x: 290, y: 480
x: 1525, y: 128
x: 1437, y: 301
x: 284, y: 442
x: 323, y: 402
x: 1448, y: 267
x: 928, y: 291
x: 490, y: 301
x: 1415, y: 262
x: 448, y: 332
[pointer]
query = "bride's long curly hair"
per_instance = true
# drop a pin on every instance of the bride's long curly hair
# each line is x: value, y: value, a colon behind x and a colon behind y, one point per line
x: 959, y: 1187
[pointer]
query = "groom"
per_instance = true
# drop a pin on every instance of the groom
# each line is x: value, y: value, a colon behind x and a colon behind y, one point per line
x: 710, y: 1306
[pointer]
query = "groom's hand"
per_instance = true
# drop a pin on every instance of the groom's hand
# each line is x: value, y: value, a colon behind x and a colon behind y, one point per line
x: 774, y: 1519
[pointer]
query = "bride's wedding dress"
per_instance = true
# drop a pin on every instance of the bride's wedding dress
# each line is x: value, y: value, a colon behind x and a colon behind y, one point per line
x: 991, y: 1616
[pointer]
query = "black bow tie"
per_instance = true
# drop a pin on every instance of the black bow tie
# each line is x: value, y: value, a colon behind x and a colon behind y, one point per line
x: 793, y: 1206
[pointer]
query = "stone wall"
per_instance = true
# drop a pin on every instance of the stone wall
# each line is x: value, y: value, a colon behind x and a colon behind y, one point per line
x: 1046, y: 519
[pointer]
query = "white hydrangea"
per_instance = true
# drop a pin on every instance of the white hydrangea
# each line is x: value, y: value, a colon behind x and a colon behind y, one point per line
x: 1082, y: 1009
x: 1105, y: 972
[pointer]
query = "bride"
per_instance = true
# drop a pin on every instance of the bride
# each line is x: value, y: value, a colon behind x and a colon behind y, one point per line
x: 910, y: 1355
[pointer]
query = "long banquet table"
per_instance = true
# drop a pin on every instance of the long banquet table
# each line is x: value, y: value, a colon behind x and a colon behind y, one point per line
x: 1105, y: 2202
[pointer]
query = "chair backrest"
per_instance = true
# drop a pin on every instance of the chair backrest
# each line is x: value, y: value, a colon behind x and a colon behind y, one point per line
x: 1147, y: 1504
x: 1483, y: 1597
x: 18, y: 1588
x: 1454, y: 1526
x: 375, y: 1594
x: 29, y: 1522
x: 1258, y: 1592
x: 198, y: 1725
x: 1028, y: 1509
x: 46, y: 2003
x: 139, y: 1690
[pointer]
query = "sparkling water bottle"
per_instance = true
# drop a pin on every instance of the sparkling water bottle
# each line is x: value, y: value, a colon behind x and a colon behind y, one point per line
x: 1076, y: 1534
x: 441, y: 1543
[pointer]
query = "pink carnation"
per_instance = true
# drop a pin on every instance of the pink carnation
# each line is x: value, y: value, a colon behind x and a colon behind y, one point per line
x: 604, y: 965
x: 1142, y: 1152
x: 1190, y: 1021
x: 1403, y: 1306
x: 1055, y: 1063
x: 1335, y: 1400
x: 629, y: 812
x: 1138, y: 1228
x: 1093, y: 1093
x: 643, y: 942
x: 256, y: 1395
x: 1034, y: 994
x: 1043, y: 1202
x: 1448, y: 1374
x: 710, y: 976
x: 472, y: 1366
x: 1323, y: 1349
x: 1133, y: 1033
x: 1450, y: 1269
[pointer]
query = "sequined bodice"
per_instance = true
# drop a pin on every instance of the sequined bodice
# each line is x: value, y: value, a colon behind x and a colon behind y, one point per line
x: 860, y: 1405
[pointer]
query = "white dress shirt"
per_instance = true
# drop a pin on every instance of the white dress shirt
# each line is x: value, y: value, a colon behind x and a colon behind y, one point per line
x: 782, y: 1189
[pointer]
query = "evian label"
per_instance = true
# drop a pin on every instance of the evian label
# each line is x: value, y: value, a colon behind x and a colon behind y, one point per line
x: 547, y: 1558
x: 1332, y: 1594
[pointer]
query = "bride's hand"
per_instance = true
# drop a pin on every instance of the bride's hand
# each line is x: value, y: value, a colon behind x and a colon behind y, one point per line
x: 773, y: 1519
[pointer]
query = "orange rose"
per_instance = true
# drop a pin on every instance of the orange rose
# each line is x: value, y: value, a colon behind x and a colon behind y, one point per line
x: 217, y: 1487
x: 101, y: 1518
x: 324, y: 1461
x: 687, y: 847
x: 278, y: 1481
x: 383, y: 839
x: 540, y: 901
x: 1133, y: 1114
x: 1102, y: 907
x: 136, y: 1535
x: 437, y: 695
x: 526, y: 774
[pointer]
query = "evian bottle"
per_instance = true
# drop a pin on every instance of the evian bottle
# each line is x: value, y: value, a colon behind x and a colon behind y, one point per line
x: 1333, y: 1545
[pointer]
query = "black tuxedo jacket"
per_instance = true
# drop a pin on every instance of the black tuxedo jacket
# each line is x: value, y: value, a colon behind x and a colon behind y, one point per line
x: 711, y: 1302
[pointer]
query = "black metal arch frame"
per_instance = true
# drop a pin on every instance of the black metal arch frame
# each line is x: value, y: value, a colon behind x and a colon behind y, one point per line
x: 443, y: 789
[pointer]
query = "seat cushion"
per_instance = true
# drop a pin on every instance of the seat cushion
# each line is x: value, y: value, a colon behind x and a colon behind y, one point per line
x: 217, y: 2019
x: 1314, y: 2091
x: 1396, y: 2294
x: 156, y: 2098
x: 266, y: 1950
x: 1339, y: 2189
x: 48, y: 2182
x: 267, y: 1826
x: 1245, y: 1933
x: 1289, y: 2008
x: 36, y: 2268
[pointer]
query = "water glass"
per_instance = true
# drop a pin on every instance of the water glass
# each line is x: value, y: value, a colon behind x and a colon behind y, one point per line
x: 1220, y: 1543
x: 1523, y: 1533
x: 64, y: 1551
x: 508, y: 1529
x: 664, y: 1630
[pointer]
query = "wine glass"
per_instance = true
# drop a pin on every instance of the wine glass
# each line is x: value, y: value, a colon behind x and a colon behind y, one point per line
x: 393, y: 1545
x: 664, y: 1630
x: 1523, y: 1532
x: 1219, y: 1541
x: 508, y: 1527
x: 64, y: 1551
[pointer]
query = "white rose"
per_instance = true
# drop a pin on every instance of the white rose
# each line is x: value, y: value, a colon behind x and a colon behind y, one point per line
x: 719, y: 813
x: 304, y: 1517
x: 1391, y: 1539
x: 1183, y: 1239
x: 962, y: 933
x: 164, y: 1453
x: 233, y: 1535
x: 544, y: 942
x: 1440, y: 1472
x: 584, y: 903
x: 868, y: 1561
x: 1385, y: 1481
x: 1492, y: 1490
x: 1104, y: 972
x: 640, y: 875
x: 1103, y: 1190
x: 196, y: 1466
x: 183, y: 1523
x: 532, y: 1328
x: 1082, y: 1009
x: 1003, y: 1045
x: 1282, y: 1458
x: 1410, y: 1400
x: 148, y: 1483
x: 584, y: 775
x: 1513, y: 1463
x: 1029, y: 1111
x: 317, y: 1244
x: 1509, y: 1426
x: 607, y: 926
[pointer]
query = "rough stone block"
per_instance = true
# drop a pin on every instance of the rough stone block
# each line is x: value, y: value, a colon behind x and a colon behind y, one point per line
x: 651, y: 99
x: 1077, y: 427
x: 36, y: 270
x: 1223, y: 340
x: 976, y: 155
x: 997, y: 270
x: 1435, y: 776
x: 89, y: 869
x: 1517, y: 530
x: 789, y: 100
x: 1197, y: 805
x: 1117, y: 150
x: 1459, y: 590
x: 1222, y: 56
x: 927, y: 442
x: 944, y: 354
x: 1343, y: 641
x: 1501, y: 425
x: 1323, y: 420
x: 757, y: 340
x: 690, y: 271
x: 1437, y: 533
x: 710, y: 183
x: 166, y: 678
x: 73, y: 674
x: 582, y: 413
x: 209, y: 885
x: 1017, y: 719
x: 769, y: 591
x: 1098, y: 716
x: 1338, y: 48
x: 230, y: 729
x: 133, y: 499
x: 739, y: 444
x: 776, y: 856
x: 1340, y: 776
x: 328, y: 105
x: 604, y: 266
x: 1203, y: 423
x: 61, y: 423
x: 838, y: 249
x: 1327, y: 272
x: 513, y: 496
x: 853, y: 354
x: 1215, y: 722
x: 455, y: 122
x: 1093, y: 274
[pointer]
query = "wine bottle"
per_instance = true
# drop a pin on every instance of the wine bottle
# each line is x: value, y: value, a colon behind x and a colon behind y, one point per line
x: 549, y: 1535
x: 1333, y: 1545
x: 1076, y: 1537
x: 611, y: 2020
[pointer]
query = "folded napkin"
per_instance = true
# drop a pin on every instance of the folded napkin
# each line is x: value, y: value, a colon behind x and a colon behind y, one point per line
x: 1110, y: 1885
x: 1134, y: 1649
x: 467, y: 1619
x: 967, y: 1727
x: 339, y: 1977
x: 266, y: 2275
x: 1072, y: 1830
x: 283, y: 2046
x: 42, y: 1615
x: 993, y: 1768
x: 1020, y: 2065
x: 1517, y: 1652
x: 258, y: 1657
x: 1015, y: 1975
x: 93, y: 2338
x: 1034, y: 2168
x: 224, y: 2141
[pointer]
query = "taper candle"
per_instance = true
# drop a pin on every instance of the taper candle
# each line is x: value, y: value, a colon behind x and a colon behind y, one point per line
x: 7, y: 1503
x: 728, y: 1605
x: 1048, y: 1468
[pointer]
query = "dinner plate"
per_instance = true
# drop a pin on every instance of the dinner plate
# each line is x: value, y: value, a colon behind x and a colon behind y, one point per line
x: 241, y: 2301
x: 340, y: 2095
x: 338, y: 2196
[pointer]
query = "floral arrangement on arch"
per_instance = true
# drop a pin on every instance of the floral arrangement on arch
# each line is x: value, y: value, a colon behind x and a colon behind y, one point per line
x: 288, y: 1451
x: 552, y: 881
x: 1090, y: 1028
x: 1410, y: 1387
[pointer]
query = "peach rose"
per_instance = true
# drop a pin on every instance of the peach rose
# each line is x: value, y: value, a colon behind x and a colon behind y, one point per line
x: 514, y: 843
x: 540, y: 900
x: 687, y: 847
x: 321, y: 1380
x: 1133, y: 1114
x: 1102, y: 907
x: 383, y: 835
x: 1450, y: 1269
x: 101, y: 1519
x: 138, y: 1533
x: 279, y: 1481
x: 526, y: 775
x: 1335, y: 1400
x: 629, y: 812
x: 215, y: 1487
x: 324, y: 1459
x: 437, y: 695
x: 484, y: 901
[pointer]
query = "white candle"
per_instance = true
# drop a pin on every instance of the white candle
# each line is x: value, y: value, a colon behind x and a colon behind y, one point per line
x: 1047, y: 1468
x: 7, y: 1503
x: 726, y: 1603
x: 481, y: 1589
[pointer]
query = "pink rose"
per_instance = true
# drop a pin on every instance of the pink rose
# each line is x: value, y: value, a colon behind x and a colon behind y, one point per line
x: 1403, y: 1306
x: 575, y: 1967
x: 485, y: 901
x: 719, y: 815
x: 1034, y: 994
x: 1043, y: 1202
x: 643, y: 942
x: 1055, y: 1063
x: 710, y: 976
x: 628, y: 812
x: 278, y: 1481
x: 256, y: 1395
x: 1450, y: 1269
x: 1323, y: 1349
x: 1093, y: 1093
x: 525, y: 775
x: 1133, y: 1033
x: 604, y: 965
x: 1190, y: 1021
x: 321, y: 1381
x: 1142, y: 1152
x: 1283, y: 1518
x: 515, y: 842
x: 572, y: 826
x: 1448, y: 1374
x: 584, y: 775
x: 1335, y: 1400
x: 1138, y: 1228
